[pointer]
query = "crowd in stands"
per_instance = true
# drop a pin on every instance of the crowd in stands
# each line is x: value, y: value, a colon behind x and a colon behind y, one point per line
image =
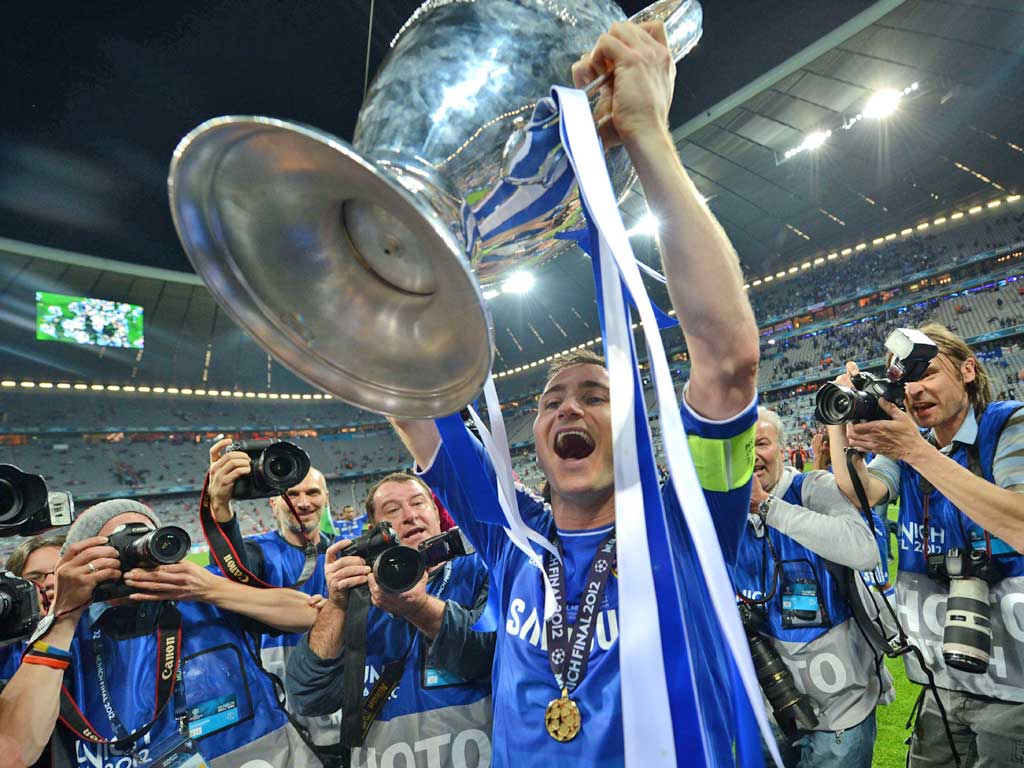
x: 90, y: 443
x: 844, y: 277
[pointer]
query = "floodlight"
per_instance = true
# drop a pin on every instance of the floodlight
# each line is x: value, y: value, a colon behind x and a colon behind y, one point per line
x: 518, y: 282
x: 882, y: 104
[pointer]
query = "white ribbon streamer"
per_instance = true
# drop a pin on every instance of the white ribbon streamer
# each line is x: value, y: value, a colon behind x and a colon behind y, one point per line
x: 495, y: 443
x: 648, y: 736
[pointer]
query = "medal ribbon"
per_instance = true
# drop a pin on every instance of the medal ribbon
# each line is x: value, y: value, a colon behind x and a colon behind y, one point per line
x: 569, y: 647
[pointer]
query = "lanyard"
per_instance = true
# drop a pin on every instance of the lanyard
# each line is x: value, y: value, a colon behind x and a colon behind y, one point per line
x: 180, y: 708
x: 569, y: 647
x: 168, y: 674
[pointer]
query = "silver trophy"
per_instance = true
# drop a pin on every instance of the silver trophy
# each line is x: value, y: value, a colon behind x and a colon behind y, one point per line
x: 348, y: 263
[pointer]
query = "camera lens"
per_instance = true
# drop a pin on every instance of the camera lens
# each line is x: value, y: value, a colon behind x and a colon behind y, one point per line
x: 5, y: 604
x: 284, y: 465
x: 838, y: 405
x: 967, y: 636
x: 168, y: 544
x: 398, y: 568
x: 10, y: 502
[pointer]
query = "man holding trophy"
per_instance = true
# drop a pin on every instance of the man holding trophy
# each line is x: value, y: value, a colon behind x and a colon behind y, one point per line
x: 557, y: 692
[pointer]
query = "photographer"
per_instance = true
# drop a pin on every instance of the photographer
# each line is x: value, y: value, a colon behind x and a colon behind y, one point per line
x: 277, y: 557
x: 792, y: 570
x: 210, y: 698
x: 412, y: 653
x: 961, y: 531
x: 34, y: 559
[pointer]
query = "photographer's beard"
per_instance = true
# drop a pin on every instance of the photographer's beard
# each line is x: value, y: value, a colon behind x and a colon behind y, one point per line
x: 296, y: 529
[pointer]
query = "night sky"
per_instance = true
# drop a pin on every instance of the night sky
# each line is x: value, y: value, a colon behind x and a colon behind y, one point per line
x: 96, y: 96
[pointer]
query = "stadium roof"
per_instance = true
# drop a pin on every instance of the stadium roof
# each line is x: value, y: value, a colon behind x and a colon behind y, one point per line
x: 83, y: 155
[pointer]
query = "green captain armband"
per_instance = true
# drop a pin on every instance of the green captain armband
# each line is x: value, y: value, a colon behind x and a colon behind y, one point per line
x: 723, y: 464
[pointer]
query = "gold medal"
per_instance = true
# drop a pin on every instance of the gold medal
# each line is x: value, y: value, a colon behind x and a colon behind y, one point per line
x: 562, y: 718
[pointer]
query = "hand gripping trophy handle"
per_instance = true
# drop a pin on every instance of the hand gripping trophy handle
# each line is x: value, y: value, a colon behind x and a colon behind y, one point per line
x: 348, y: 262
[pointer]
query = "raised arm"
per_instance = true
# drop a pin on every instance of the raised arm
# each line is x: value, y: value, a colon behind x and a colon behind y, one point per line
x: 875, y: 489
x: 704, y: 278
x: 420, y: 438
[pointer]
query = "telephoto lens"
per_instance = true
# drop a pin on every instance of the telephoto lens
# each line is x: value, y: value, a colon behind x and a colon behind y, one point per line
x: 967, y: 636
x: 792, y: 710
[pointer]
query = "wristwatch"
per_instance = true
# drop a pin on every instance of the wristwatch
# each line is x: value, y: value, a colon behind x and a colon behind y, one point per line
x: 762, y: 508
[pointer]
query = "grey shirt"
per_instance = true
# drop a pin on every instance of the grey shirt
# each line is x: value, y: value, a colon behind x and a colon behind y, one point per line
x: 828, y: 524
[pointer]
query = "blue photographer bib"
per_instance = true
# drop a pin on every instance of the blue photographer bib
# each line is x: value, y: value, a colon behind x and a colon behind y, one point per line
x: 233, y: 717
x: 922, y: 600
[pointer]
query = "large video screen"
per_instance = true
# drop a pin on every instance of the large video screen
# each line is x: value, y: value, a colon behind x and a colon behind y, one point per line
x: 81, y: 320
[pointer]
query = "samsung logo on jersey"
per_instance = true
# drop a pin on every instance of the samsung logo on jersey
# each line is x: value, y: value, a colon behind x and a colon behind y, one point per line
x: 531, y: 629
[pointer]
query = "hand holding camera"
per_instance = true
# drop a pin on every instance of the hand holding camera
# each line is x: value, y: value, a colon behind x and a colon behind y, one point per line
x: 343, y: 572
x: 226, y: 468
x: 85, y: 565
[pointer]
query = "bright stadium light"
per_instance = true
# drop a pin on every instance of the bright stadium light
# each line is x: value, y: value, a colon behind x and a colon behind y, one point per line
x: 882, y: 104
x: 518, y: 282
x: 647, y: 225
x: 491, y: 293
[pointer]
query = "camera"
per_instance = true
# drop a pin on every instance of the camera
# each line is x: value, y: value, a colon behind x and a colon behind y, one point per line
x: 399, y: 568
x: 912, y: 352
x: 19, y: 608
x: 793, y: 711
x: 967, y: 636
x: 275, y: 467
x: 27, y: 507
x: 139, y: 546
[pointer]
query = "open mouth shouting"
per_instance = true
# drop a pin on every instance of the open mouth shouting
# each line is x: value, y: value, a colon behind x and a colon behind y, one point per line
x: 573, y: 444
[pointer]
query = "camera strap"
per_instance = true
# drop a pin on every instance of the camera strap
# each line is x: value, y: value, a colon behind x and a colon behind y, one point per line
x: 167, y: 671
x: 902, y: 645
x: 357, y: 719
x: 227, y: 558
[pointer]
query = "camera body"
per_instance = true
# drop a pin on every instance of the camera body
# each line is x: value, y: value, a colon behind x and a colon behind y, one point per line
x: 912, y: 352
x: 27, y: 507
x: 967, y: 634
x: 399, y: 568
x: 793, y: 710
x: 274, y: 468
x: 19, y: 608
x: 139, y: 546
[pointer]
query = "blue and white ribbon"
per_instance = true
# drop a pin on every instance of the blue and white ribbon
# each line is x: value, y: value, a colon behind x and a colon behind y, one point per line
x: 663, y: 714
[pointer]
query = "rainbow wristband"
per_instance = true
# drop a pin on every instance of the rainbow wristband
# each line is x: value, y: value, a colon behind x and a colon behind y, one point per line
x: 46, y: 661
x: 46, y: 649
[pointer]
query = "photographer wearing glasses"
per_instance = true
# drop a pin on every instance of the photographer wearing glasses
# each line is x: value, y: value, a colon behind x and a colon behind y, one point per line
x: 955, y: 460
x: 393, y: 646
x: 791, y: 573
